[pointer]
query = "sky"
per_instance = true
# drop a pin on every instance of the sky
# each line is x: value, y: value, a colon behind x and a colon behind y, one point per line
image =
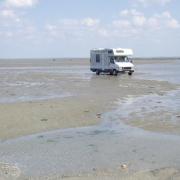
x: 70, y: 28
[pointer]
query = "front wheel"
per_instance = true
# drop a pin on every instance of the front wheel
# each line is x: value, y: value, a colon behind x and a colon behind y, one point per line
x: 115, y: 72
x: 130, y: 73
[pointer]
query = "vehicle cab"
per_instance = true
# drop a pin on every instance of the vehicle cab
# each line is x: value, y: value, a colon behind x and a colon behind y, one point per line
x: 122, y: 64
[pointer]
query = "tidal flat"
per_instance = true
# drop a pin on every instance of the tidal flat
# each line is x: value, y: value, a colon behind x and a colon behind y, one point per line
x: 61, y: 121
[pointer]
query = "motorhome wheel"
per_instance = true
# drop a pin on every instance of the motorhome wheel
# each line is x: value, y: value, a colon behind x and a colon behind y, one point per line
x: 111, y: 72
x: 97, y: 72
x: 115, y: 72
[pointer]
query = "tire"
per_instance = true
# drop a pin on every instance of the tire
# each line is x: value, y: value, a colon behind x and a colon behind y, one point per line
x: 111, y: 72
x: 97, y: 72
x: 115, y: 72
x: 129, y: 73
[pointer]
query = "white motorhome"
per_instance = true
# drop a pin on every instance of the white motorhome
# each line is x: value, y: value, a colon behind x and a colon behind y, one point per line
x: 111, y: 61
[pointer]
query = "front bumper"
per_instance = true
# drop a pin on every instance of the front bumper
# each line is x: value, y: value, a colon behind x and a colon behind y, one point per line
x: 127, y: 69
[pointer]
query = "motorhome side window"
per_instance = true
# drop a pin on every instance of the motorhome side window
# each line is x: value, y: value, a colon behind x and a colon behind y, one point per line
x: 98, y: 58
x: 111, y: 60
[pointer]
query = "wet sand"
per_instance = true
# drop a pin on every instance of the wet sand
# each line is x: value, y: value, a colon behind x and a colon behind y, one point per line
x: 87, y: 101
x: 157, y: 174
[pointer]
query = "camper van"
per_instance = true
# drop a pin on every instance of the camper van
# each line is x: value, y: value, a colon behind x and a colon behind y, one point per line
x: 111, y: 61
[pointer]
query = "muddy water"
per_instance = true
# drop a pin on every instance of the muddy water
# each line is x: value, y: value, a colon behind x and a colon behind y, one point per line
x: 105, y: 146
x: 160, y: 71
x: 155, y: 111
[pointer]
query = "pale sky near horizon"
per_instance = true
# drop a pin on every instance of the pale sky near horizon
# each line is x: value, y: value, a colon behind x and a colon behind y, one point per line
x: 69, y: 28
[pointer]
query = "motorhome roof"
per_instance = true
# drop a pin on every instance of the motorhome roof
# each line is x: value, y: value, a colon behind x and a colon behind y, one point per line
x: 117, y: 51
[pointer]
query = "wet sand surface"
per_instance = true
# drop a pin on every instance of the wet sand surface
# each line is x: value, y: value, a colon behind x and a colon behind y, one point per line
x: 58, y: 121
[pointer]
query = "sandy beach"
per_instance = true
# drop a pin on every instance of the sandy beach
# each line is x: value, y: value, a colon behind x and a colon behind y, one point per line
x: 61, y: 121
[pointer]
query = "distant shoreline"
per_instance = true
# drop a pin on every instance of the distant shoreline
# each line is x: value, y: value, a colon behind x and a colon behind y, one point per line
x: 87, y: 58
x: 156, y: 58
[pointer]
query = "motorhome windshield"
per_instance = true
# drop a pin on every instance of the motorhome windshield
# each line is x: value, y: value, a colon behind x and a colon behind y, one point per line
x: 121, y: 58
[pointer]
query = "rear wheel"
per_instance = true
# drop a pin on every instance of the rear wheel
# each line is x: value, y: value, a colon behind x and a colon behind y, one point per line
x: 111, y: 72
x: 97, y: 72
x: 115, y: 72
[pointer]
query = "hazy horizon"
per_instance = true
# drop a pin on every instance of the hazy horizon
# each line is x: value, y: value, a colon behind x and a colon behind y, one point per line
x: 71, y: 58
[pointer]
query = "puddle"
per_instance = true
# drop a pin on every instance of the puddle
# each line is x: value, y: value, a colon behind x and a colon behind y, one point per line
x: 160, y: 107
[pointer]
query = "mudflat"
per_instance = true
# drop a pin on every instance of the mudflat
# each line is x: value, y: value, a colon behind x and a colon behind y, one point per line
x: 41, y: 96
x: 84, y: 97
